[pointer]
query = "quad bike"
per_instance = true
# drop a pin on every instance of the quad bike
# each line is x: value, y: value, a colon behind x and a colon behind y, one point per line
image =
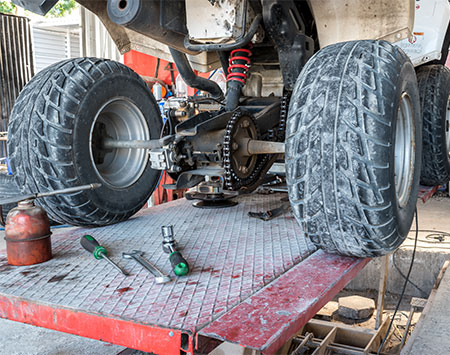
x: 324, y: 86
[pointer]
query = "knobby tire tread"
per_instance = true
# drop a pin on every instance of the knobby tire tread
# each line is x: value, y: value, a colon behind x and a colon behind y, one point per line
x: 41, y: 133
x: 336, y: 141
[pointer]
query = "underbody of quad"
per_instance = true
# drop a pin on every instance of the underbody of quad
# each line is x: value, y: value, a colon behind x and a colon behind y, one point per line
x: 350, y: 97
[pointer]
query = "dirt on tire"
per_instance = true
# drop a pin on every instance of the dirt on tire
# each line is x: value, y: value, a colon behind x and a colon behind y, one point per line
x: 340, y: 148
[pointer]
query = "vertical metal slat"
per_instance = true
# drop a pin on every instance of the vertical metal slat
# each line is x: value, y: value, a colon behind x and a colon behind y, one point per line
x: 16, y: 65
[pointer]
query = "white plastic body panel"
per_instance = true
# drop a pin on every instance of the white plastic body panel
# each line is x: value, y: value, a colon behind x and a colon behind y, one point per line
x: 352, y: 20
x: 218, y: 22
x: 430, y: 26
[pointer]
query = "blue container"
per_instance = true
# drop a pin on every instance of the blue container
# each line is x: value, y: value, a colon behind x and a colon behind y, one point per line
x: 8, y: 166
x: 161, y: 108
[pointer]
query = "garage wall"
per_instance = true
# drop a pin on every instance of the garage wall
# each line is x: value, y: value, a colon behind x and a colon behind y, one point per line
x: 53, y: 46
x: 96, y: 41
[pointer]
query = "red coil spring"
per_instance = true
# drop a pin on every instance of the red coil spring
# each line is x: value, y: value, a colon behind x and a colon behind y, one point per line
x: 239, y: 65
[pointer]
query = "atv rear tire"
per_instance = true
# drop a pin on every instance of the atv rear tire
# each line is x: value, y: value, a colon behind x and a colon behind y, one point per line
x: 353, y: 148
x: 56, y: 129
x: 434, y: 89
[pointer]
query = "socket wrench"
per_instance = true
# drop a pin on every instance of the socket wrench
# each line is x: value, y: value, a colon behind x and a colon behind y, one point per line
x: 137, y: 255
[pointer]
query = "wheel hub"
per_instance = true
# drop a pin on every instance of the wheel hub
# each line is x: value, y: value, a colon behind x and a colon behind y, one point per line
x: 404, y: 150
x: 119, y: 119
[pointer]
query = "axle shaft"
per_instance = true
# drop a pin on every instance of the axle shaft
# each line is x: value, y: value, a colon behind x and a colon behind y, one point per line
x: 109, y: 143
x: 249, y: 146
x: 253, y: 146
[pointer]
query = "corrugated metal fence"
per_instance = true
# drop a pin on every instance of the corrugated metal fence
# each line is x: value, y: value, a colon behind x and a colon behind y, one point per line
x: 52, y: 46
x: 16, y: 65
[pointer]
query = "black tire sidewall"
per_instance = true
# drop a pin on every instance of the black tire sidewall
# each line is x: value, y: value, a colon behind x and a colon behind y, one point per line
x: 434, y: 88
x: 407, y: 83
x: 98, y: 95
x: 442, y: 119
x: 340, y: 151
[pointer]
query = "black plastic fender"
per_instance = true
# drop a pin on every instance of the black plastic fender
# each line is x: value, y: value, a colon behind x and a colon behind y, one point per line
x: 40, y: 7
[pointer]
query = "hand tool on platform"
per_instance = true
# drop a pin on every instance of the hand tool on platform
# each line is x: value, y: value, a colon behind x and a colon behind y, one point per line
x: 137, y: 255
x: 271, y: 214
x: 89, y: 243
x: 179, y: 264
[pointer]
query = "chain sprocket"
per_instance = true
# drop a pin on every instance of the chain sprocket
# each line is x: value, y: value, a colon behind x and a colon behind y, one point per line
x: 233, y: 179
x: 283, y: 116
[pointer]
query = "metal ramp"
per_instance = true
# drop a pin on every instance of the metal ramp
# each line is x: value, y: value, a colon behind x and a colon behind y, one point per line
x: 252, y: 282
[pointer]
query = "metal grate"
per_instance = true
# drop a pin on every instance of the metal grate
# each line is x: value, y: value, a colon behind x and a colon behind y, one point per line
x: 232, y: 257
x: 16, y: 65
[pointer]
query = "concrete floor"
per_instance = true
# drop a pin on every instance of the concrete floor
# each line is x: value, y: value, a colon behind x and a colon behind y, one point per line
x: 431, y: 334
x: 22, y: 339
x: 430, y: 256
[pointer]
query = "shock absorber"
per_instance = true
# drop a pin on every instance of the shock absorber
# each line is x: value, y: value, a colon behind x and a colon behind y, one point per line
x: 239, y: 64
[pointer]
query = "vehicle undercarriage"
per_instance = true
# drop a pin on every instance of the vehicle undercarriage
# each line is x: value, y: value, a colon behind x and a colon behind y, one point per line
x: 344, y: 115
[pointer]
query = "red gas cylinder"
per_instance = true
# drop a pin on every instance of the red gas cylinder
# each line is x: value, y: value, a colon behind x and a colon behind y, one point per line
x: 27, y: 235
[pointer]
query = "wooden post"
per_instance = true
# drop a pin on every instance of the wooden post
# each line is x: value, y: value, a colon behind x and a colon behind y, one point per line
x: 382, y: 290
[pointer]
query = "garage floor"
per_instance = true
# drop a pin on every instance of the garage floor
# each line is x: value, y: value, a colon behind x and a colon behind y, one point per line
x: 18, y: 338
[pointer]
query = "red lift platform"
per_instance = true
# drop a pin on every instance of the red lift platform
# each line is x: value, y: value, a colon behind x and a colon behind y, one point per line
x: 252, y: 282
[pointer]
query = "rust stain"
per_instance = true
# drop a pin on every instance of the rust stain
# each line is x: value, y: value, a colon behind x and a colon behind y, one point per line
x: 124, y: 289
x: 57, y: 278
x: 211, y: 270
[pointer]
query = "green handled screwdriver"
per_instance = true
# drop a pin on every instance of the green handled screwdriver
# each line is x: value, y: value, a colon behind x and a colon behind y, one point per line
x: 89, y: 243
x: 179, y: 264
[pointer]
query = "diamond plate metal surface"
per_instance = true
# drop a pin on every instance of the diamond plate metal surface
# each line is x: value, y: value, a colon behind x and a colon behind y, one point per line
x: 231, y: 256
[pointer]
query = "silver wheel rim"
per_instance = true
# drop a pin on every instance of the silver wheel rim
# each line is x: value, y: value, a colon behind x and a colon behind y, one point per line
x: 119, y: 119
x: 447, y: 128
x: 404, y: 150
